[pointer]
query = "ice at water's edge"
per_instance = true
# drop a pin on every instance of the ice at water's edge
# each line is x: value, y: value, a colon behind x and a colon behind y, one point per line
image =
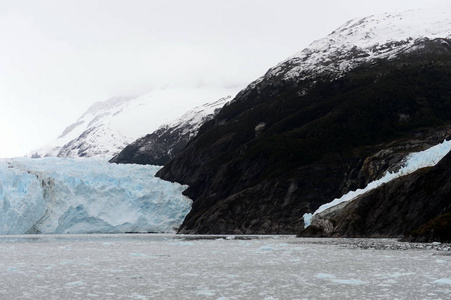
x: 55, y: 195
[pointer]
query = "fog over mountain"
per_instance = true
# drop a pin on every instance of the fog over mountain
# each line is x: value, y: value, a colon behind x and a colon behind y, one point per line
x: 58, y: 58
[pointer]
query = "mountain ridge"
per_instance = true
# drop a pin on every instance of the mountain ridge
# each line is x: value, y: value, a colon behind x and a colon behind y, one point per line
x: 287, y: 144
x: 107, y: 127
x: 160, y: 146
x: 363, y: 40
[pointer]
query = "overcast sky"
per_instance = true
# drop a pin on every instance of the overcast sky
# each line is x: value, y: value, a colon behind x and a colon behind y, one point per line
x: 59, y: 57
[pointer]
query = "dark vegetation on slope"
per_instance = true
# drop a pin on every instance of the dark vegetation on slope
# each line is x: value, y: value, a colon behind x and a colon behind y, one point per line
x: 438, y: 229
x: 157, y: 148
x: 276, y: 153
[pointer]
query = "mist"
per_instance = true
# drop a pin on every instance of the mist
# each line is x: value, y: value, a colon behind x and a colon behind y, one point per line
x: 59, y: 57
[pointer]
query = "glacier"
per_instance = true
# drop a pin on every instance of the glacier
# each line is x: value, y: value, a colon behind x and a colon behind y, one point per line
x: 62, y: 195
x: 413, y: 162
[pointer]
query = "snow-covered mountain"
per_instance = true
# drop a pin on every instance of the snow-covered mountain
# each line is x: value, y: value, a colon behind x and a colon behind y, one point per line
x: 108, y: 126
x: 190, y: 122
x: 59, y: 195
x: 364, y: 41
x: 169, y: 140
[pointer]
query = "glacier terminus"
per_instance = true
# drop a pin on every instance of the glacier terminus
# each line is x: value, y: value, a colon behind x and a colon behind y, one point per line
x: 59, y: 195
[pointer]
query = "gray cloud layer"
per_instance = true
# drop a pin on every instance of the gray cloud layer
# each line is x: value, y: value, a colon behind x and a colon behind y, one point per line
x: 58, y: 57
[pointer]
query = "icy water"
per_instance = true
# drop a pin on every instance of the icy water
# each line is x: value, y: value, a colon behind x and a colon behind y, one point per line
x: 215, y: 267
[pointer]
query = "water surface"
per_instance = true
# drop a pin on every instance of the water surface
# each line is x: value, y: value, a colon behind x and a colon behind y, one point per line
x: 145, y: 266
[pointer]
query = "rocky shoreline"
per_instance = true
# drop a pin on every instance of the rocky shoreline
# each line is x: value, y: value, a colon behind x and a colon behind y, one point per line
x: 378, y: 244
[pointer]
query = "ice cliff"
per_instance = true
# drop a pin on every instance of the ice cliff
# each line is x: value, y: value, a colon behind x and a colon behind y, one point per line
x: 56, y: 195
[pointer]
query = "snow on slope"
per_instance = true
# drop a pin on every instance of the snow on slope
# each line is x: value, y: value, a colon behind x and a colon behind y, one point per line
x: 160, y: 146
x: 59, y: 195
x: 192, y: 120
x: 108, y: 126
x: 414, y: 161
x: 364, y: 40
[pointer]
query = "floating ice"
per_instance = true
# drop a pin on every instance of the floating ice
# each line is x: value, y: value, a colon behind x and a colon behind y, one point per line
x: 333, y: 279
x: 75, y: 283
x: 441, y: 281
x: 55, y: 195
x: 349, y: 281
x: 265, y: 249
x: 324, y: 276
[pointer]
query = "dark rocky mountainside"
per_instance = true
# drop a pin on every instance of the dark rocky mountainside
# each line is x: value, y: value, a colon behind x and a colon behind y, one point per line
x: 156, y: 148
x: 417, y: 206
x: 285, y: 145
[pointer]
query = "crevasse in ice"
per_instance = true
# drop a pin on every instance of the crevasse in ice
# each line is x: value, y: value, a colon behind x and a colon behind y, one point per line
x: 55, y: 195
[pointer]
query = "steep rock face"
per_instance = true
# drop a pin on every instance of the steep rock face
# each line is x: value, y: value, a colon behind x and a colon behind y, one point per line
x: 294, y: 140
x: 416, y: 206
x: 163, y: 144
